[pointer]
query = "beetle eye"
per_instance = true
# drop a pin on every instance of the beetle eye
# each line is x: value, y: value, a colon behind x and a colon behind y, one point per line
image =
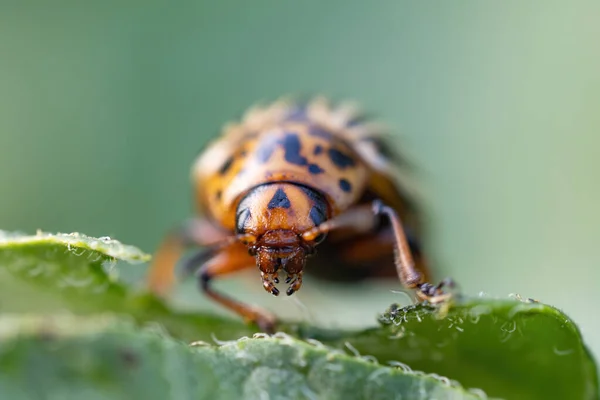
x: 252, y: 251
x: 319, y: 239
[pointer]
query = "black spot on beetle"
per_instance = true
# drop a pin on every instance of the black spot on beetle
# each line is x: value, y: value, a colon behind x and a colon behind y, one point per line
x: 242, y: 218
x: 291, y: 145
x: 312, y: 194
x: 225, y: 167
x: 279, y: 200
x: 340, y: 159
x: 319, y: 202
x: 218, y: 195
x: 345, y: 185
x: 317, y: 215
x: 318, y: 150
x: 315, y: 169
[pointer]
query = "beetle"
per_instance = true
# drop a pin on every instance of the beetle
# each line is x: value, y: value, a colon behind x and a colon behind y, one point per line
x: 289, y: 178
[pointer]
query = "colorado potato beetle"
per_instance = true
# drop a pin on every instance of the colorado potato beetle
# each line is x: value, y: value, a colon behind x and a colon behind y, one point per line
x: 288, y: 178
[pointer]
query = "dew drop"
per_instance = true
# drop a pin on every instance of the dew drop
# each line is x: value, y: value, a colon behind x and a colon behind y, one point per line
x: 562, y: 352
x: 401, y: 365
x: 199, y: 343
x: 352, y: 349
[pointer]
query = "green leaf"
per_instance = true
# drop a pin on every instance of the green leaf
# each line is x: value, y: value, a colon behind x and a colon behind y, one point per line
x: 507, y: 348
x: 98, y: 358
x: 48, y: 273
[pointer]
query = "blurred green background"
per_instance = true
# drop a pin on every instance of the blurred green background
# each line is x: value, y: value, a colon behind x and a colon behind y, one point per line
x: 104, y: 105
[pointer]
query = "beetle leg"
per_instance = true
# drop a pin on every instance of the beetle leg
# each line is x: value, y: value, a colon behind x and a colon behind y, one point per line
x: 232, y: 259
x: 196, y: 232
x: 405, y: 265
x: 363, y: 219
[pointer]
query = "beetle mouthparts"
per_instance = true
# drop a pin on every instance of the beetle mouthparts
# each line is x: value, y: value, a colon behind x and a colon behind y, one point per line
x: 295, y: 281
x: 269, y: 281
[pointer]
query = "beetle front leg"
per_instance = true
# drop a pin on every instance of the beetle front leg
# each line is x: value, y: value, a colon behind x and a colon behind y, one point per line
x: 161, y: 275
x: 405, y: 265
x: 228, y: 260
x: 363, y: 219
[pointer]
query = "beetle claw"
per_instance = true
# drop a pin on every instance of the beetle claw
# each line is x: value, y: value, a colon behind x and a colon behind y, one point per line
x: 434, y: 293
x: 268, y: 283
x: 296, y: 283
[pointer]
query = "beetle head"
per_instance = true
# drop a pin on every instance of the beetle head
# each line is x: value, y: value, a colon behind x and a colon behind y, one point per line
x: 274, y: 217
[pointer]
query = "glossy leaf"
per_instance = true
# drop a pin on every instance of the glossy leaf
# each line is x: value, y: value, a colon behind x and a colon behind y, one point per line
x: 507, y: 348
x: 98, y: 358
